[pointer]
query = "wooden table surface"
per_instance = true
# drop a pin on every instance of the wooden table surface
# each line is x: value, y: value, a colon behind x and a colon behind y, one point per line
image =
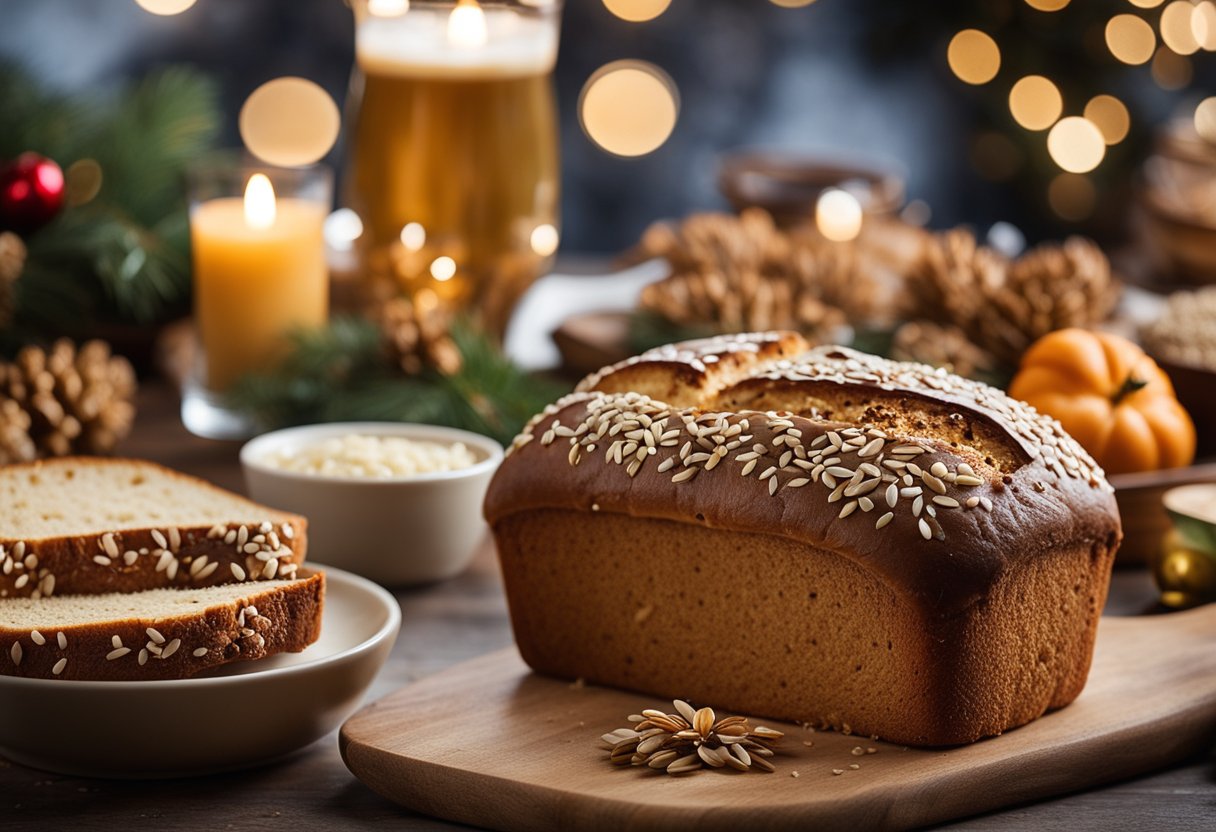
x: 441, y: 626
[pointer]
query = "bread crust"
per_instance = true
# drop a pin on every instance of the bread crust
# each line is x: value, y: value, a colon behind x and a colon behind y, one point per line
x: 287, y: 619
x: 943, y: 490
x: 189, y: 556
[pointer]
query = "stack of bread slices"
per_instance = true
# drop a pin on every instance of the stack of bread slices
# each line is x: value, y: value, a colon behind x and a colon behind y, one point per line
x: 124, y: 570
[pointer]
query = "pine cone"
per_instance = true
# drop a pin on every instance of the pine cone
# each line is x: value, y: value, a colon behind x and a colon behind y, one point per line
x: 940, y: 346
x: 1004, y: 306
x: 416, y: 336
x: 731, y: 274
x: 15, y: 442
x: 12, y: 262
x: 76, y: 401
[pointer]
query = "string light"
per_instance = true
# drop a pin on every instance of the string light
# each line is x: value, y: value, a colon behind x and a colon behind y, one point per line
x: 165, y: 8
x: 443, y: 268
x: 1171, y: 71
x: 1076, y: 144
x: 289, y: 122
x: 1110, y: 116
x: 544, y: 240
x: 1130, y: 39
x: 629, y: 108
x: 1205, y: 119
x: 1035, y: 102
x: 1047, y: 5
x: 838, y: 215
x: 1203, y: 25
x: 413, y: 236
x: 1176, y: 27
x: 973, y: 56
x: 637, y: 11
x: 1071, y: 196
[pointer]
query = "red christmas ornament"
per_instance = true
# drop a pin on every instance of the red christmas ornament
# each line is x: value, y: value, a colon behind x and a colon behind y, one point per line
x: 31, y: 193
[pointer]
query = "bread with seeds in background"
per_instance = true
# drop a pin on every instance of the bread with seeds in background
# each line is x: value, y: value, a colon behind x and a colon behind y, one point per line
x: 813, y: 535
x: 89, y: 526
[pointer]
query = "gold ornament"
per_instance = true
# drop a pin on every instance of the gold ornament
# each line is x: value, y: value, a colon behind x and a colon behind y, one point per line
x: 1004, y: 306
x: 76, y: 401
x: 12, y: 262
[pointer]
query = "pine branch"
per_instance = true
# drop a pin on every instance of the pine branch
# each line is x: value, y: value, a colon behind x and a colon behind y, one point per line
x: 341, y: 374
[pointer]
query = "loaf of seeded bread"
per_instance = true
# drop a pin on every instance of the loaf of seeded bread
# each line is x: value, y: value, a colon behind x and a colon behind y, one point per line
x: 158, y: 633
x: 87, y: 526
x: 812, y: 535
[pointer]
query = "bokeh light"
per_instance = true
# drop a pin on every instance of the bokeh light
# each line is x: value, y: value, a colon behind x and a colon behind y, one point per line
x: 1076, y: 144
x: 1146, y: 4
x: 629, y: 108
x: 1170, y: 70
x: 1205, y: 119
x: 443, y: 268
x: 637, y: 11
x: 1110, y: 116
x: 165, y: 7
x: 82, y: 181
x: 1071, y: 196
x: 792, y: 4
x: 1176, y: 27
x: 342, y: 228
x: 1130, y: 39
x: 1035, y: 102
x: 838, y: 215
x: 467, y: 25
x: 973, y: 56
x: 289, y: 122
x: 413, y: 236
x: 1047, y: 5
x: 1203, y: 25
x: 387, y: 8
x: 544, y: 240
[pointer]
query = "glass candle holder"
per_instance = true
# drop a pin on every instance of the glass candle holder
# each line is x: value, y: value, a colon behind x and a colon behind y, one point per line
x: 453, y: 149
x: 259, y: 276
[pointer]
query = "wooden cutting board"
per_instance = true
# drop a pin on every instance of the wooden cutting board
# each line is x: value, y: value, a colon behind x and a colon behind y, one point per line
x: 491, y: 744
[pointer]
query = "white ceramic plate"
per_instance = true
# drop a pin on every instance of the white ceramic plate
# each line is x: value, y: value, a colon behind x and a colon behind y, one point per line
x: 243, y: 714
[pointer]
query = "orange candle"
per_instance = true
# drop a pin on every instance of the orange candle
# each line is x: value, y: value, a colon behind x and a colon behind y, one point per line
x: 259, y: 275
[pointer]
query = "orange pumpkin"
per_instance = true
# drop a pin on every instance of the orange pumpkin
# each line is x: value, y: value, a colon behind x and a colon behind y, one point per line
x: 1110, y: 396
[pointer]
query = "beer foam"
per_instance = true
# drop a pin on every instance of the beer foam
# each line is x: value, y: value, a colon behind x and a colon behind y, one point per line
x: 416, y: 44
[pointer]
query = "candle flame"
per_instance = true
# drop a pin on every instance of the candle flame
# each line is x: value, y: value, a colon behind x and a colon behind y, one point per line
x: 260, y: 206
x: 467, y: 25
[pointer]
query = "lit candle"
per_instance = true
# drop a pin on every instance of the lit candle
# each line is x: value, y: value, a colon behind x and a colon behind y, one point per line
x: 259, y: 274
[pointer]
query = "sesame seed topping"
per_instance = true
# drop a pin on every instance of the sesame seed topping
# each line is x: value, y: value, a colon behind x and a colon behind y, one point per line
x: 15, y: 653
x: 108, y: 543
x: 62, y: 640
x: 155, y: 635
x: 101, y: 560
x: 117, y: 653
x: 199, y: 652
x: 59, y: 666
x: 37, y: 638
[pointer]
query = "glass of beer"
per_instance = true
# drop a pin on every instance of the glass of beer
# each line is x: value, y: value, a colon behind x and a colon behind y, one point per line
x: 453, y: 149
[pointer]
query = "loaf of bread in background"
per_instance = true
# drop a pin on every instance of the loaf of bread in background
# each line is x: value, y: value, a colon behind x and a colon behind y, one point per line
x: 74, y: 526
x: 812, y: 535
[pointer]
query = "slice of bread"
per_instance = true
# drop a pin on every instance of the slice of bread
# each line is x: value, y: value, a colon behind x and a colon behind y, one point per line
x: 158, y: 633
x: 87, y: 526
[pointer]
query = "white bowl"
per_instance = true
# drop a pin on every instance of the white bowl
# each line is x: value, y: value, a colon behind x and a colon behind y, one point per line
x: 397, y: 531
x: 245, y: 714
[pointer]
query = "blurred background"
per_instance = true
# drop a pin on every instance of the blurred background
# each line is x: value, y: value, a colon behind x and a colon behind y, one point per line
x: 870, y: 80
